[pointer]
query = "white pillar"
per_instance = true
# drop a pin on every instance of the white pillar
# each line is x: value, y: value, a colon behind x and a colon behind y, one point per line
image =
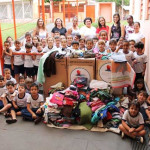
x: 9, y: 11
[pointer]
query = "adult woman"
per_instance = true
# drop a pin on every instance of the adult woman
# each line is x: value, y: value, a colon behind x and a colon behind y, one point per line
x: 88, y: 31
x: 137, y: 36
x: 102, y: 26
x: 117, y: 30
x: 129, y: 29
x: 40, y: 29
x: 59, y: 27
x: 74, y: 30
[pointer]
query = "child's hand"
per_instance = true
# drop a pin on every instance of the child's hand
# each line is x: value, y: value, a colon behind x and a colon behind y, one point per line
x: 15, y: 106
x: 148, y: 107
x: 143, y: 73
x: 34, y: 116
x: 38, y: 111
x: 131, y: 130
x: 134, y: 61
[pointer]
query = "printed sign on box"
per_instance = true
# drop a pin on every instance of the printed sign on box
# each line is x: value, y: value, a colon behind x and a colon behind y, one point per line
x: 80, y: 67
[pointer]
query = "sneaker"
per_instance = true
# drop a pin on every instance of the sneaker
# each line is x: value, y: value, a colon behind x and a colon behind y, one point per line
x: 38, y: 120
x: 139, y: 139
x: 122, y: 135
x: 11, y: 121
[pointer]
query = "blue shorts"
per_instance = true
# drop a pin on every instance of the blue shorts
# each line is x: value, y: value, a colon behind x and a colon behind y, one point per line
x: 35, y: 70
x: 19, y: 69
x: 29, y: 72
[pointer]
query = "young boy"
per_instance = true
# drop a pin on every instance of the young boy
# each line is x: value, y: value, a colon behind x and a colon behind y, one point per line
x: 28, y: 61
x: 57, y: 41
x: 34, y: 103
x: 28, y: 82
x: 140, y: 61
x: 112, y: 46
x: 20, y: 100
x: 95, y: 40
x: 77, y: 37
x: 28, y: 39
x: 69, y: 41
x: 56, y: 33
x: 44, y: 43
x: 131, y: 44
x: 89, y: 45
x: 7, y: 101
x: 133, y: 123
x: 18, y: 60
x: 8, y: 77
x: 82, y: 44
x: 2, y: 90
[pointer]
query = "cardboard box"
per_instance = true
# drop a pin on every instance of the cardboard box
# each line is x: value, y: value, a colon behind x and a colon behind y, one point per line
x: 85, y: 66
x: 103, y: 70
x: 61, y: 76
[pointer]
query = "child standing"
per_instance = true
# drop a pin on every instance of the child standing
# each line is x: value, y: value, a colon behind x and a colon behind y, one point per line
x: 133, y: 123
x: 140, y: 61
x: 34, y: 103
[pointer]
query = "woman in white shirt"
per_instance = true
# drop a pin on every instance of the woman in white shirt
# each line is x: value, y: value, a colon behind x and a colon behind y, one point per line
x: 88, y: 31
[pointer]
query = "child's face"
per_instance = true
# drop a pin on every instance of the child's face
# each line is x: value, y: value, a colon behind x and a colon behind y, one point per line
x: 50, y: 42
x: 7, y: 74
x: 132, y: 48
x: 62, y: 37
x: 133, y: 110
x: 101, y: 46
x: 57, y: 41
x: 28, y: 50
x: 28, y: 38
x: 39, y: 48
x: 21, y: 89
x: 28, y: 85
x: 112, y: 46
x: 56, y: 34
x: 64, y: 43
x: 139, y: 86
x: 94, y: 42
x: 2, y: 83
x: 34, y: 91
x: 69, y: 39
x: 75, y: 46
x: 43, y: 42
x: 103, y: 36
x: 141, y: 98
x: 82, y: 43
x: 7, y: 45
x: 76, y: 38
x: 18, y: 46
x: 138, y: 50
x: 10, y: 89
x: 125, y: 46
x: 120, y: 42
x: 89, y: 45
x: 22, y: 81
x: 148, y: 100
x: 35, y: 40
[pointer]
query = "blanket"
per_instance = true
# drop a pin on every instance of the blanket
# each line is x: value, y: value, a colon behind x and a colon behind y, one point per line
x: 122, y: 75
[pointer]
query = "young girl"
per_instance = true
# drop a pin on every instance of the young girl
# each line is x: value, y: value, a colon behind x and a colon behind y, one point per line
x: 89, y: 45
x: 69, y: 40
x: 133, y: 122
x: 112, y: 46
x: 44, y: 43
x: 103, y: 36
x: 35, y: 39
x: 131, y: 44
x: 82, y: 44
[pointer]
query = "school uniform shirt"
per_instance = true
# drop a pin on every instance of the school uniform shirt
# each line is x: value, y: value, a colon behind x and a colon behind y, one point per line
x: 129, y: 56
x: 35, y: 103
x: 18, y: 60
x: 21, y: 102
x: 28, y: 62
x: 10, y: 96
x: 37, y: 59
x: 47, y: 49
x: 2, y: 90
x: 144, y: 105
x: 11, y: 79
x: 7, y: 60
x: 133, y: 121
x: 141, y: 59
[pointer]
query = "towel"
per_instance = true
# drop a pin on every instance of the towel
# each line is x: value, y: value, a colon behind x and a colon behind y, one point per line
x: 122, y: 75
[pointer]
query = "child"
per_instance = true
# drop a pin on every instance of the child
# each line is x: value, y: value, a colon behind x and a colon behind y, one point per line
x: 21, y: 80
x: 44, y: 43
x: 62, y: 37
x: 28, y: 61
x: 95, y: 40
x: 28, y: 39
x: 103, y: 36
x: 2, y: 90
x: 57, y: 41
x: 18, y: 60
x: 140, y: 61
x: 34, y: 103
x: 77, y: 37
x: 35, y: 39
x: 7, y: 101
x: 131, y: 44
x: 89, y: 45
x: 64, y: 47
x: 76, y: 52
x: 7, y: 53
x: 37, y: 57
x: 82, y: 44
x: 20, y: 100
x: 50, y: 45
x: 142, y: 97
x: 28, y: 82
x: 8, y: 77
x: 128, y: 54
x: 112, y: 46
x: 120, y: 42
x: 57, y: 33
x: 10, y: 40
x: 69, y: 40
x: 133, y: 123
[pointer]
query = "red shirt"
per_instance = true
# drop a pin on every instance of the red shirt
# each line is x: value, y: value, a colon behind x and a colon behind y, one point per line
x: 103, y: 28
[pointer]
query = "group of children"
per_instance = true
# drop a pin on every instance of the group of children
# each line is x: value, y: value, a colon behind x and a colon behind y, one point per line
x: 23, y: 59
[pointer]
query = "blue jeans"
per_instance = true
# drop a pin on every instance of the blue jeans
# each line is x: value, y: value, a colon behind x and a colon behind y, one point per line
x: 1, y: 104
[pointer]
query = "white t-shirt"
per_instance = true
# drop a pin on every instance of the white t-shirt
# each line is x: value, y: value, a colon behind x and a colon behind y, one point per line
x: 11, y: 79
x: 10, y: 96
x: 137, y: 37
x: 133, y: 121
x: 18, y: 60
x: 2, y: 90
x: 88, y: 32
x: 46, y: 49
x: 7, y: 59
x: 129, y: 57
x: 128, y: 30
x: 28, y: 62
x: 141, y: 59
x: 21, y: 102
x: 37, y: 60
x: 35, y: 103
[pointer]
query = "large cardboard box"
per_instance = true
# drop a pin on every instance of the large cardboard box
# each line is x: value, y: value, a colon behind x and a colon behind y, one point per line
x: 61, y: 76
x: 86, y: 67
x: 103, y: 70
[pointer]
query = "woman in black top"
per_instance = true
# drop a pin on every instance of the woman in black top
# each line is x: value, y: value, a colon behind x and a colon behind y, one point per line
x: 117, y: 30
x: 59, y: 27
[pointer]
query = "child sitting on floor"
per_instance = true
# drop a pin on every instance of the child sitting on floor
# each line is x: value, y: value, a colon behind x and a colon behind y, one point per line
x: 2, y: 90
x: 133, y: 122
x: 8, y: 77
x: 34, y: 103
